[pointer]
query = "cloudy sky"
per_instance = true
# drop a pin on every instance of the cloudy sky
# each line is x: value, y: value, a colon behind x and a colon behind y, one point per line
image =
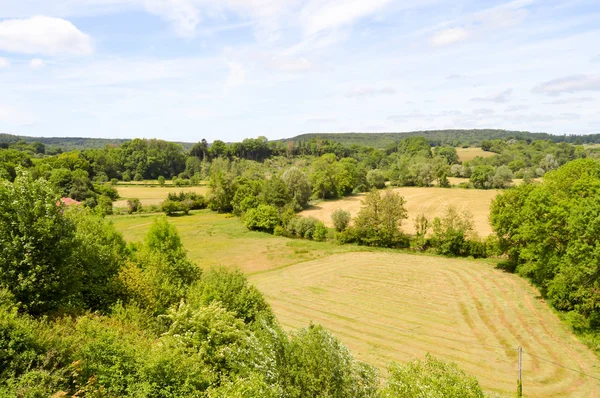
x: 230, y: 69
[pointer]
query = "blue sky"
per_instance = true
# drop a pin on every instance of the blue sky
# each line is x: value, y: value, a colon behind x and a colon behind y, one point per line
x: 230, y: 69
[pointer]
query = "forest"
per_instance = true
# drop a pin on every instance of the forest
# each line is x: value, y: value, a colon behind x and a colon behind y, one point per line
x: 85, y: 313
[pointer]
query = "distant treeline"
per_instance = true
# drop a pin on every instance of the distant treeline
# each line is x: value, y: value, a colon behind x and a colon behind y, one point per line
x: 455, y: 138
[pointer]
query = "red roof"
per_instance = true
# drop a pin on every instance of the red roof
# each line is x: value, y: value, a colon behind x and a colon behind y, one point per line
x: 69, y: 202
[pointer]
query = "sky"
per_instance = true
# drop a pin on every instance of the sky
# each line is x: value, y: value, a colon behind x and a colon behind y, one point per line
x: 184, y: 70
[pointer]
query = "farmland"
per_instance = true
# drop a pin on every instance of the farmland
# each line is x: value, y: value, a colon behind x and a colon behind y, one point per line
x: 151, y: 194
x: 467, y: 154
x: 388, y: 305
x: 429, y: 201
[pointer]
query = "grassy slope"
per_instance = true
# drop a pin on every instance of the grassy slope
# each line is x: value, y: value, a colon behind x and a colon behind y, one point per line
x: 392, y: 306
x: 150, y: 194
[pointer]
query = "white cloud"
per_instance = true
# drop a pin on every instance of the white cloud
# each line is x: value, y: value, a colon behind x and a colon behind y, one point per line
x: 290, y: 64
x: 236, y: 76
x: 449, y: 36
x: 4, y: 63
x: 183, y: 14
x: 43, y: 35
x: 497, y: 98
x: 319, y: 16
x: 371, y: 91
x: 569, y: 84
x: 37, y: 63
x: 516, y: 108
x: 567, y: 101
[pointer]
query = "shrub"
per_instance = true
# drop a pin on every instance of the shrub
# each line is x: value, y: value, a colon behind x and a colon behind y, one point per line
x: 341, y: 219
x: 262, y: 218
x: 320, y: 232
x: 303, y: 227
x: 161, y: 180
x: 232, y: 289
x: 105, y: 205
x: 170, y: 207
x: 134, y: 206
x: 430, y: 378
x: 194, y: 200
x: 451, y: 232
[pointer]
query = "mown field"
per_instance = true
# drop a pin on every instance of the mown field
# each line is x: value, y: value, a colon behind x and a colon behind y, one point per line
x: 151, y: 194
x: 392, y: 306
x: 430, y: 201
x: 466, y: 154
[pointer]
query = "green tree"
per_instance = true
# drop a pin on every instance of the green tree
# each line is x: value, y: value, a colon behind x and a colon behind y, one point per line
x: 379, y: 219
x: 430, y: 378
x: 37, y: 242
x: 298, y: 186
x: 262, y: 218
x: 319, y: 365
x: 483, y: 177
x: 341, y: 219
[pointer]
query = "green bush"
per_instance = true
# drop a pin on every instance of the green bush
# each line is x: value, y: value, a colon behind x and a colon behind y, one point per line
x: 430, y: 378
x: 341, y: 219
x: 262, y: 218
x: 320, y: 232
x: 134, y: 206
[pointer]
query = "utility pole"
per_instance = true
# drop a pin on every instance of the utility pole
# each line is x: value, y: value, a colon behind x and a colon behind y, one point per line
x: 520, y: 381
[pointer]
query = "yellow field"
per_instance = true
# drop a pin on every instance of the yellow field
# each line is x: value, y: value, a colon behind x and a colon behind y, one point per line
x: 430, y: 201
x: 466, y: 154
x: 394, y: 307
x: 152, y: 195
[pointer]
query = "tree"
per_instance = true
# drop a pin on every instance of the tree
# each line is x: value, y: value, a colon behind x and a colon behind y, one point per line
x: 319, y: 365
x: 452, y: 231
x: 379, y: 219
x: 37, y: 243
x: 482, y: 177
x: 298, y: 186
x: 99, y: 253
x: 262, y: 218
x: 341, y: 219
x: 430, y: 378
x: 376, y: 179
x: 161, y: 180
x: 134, y: 205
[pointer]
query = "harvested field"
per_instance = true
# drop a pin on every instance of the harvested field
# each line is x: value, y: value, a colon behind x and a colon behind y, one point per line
x: 394, y: 307
x: 152, y: 195
x: 466, y: 154
x: 430, y: 201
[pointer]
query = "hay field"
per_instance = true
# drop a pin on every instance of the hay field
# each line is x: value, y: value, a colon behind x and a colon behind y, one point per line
x: 151, y: 195
x: 394, y: 307
x: 430, y: 201
x: 466, y: 154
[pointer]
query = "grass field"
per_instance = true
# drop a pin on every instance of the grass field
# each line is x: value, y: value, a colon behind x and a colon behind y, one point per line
x: 388, y: 305
x: 151, y: 195
x: 394, y: 307
x: 466, y: 154
x: 430, y: 201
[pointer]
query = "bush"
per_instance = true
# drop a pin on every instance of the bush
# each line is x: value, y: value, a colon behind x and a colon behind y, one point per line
x: 134, y: 206
x: 341, y: 219
x: 430, y: 378
x: 170, y: 207
x: 262, y: 218
x: 303, y: 227
x: 320, y: 232
x: 451, y: 233
x: 194, y: 200
x: 161, y: 180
